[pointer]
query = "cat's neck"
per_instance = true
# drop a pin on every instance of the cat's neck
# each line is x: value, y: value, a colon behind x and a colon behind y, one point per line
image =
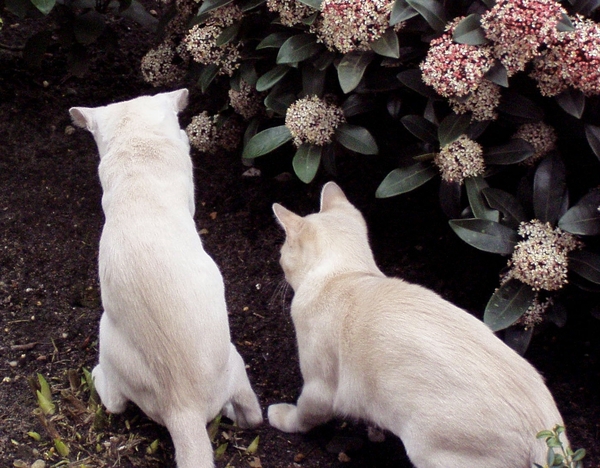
x: 314, y: 279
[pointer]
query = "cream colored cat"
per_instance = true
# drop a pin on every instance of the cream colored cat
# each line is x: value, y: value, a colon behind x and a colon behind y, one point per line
x: 164, y: 334
x: 400, y: 357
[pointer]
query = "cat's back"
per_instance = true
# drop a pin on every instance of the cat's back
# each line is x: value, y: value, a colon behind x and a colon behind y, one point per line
x: 431, y: 369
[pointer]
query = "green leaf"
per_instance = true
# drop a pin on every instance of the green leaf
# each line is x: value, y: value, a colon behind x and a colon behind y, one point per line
x: 498, y: 74
x: 251, y: 130
x: 61, y: 447
x: 515, y: 151
x: 228, y: 34
x: 405, y: 179
x: 253, y: 447
x: 298, y: 48
x: 313, y: 81
x: 247, y: 5
x: 578, y: 455
x: 279, y: 100
x: 412, y: 79
x: 45, y: 6
x: 44, y: 387
x: 220, y: 451
x: 485, y: 235
x: 323, y: 59
x: 266, y: 141
x: 508, y: 304
x: 272, y: 77
x: 420, y: 127
x: 356, y: 138
x: 518, y: 338
x: 583, y: 218
x: 357, y: 104
x: 432, y: 11
x: 519, y: 106
x: 452, y: 127
x: 45, y: 404
x: 585, y: 7
x: 572, y: 101
x: 209, y: 5
x: 316, y: 4
x: 586, y: 264
x: 469, y: 31
x: 394, y: 106
x: 248, y: 73
x: 565, y: 24
x: 309, y: 20
x: 387, y: 45
x: 549, y: 188
x: 592, y: 134
x: 352, y: 68
x: 207, y: 76
x: 306, y: 162
x: 273, y: 41
x: 512, y: 211
x: 401, y: 11
x: 17, y: 7
x: 475, y: 187
x: 88, y: 27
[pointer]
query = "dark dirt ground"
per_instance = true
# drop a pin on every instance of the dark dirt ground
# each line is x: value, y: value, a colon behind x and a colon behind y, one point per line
x: 50, y: 222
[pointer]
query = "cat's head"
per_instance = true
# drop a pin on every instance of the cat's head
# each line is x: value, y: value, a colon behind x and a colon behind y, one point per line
x: 331, y: 241
x: 156, y: 114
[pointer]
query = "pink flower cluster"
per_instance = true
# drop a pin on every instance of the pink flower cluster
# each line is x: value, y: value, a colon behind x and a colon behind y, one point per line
x: 455, y: 70
x: 519, y: 30
x: 573, y: 61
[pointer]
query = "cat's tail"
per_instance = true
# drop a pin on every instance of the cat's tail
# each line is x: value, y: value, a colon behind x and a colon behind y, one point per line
x: 190, y: 438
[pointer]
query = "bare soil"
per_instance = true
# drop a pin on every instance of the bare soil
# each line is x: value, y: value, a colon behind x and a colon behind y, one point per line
x: 50, y: 222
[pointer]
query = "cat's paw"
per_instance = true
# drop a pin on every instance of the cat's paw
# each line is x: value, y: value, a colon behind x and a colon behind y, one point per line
x: 284, y: 417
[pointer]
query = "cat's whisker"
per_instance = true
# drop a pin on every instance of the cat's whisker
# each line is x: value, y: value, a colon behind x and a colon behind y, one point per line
x: 280, y: 295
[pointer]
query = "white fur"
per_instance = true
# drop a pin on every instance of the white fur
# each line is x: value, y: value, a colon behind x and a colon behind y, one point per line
x: 400, y: 357
x: 164, y: 334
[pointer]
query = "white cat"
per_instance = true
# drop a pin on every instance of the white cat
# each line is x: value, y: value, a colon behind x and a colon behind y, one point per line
x: 164, y: 334
x: 400, y: 357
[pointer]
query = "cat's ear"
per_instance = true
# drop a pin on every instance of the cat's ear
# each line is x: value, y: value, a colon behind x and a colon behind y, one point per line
x: 331, y: 195
x: 179, y: 98
x: 82, y: 117
x: 289, y: 220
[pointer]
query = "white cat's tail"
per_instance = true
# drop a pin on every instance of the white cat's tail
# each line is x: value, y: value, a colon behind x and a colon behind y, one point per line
x: 192, y: 443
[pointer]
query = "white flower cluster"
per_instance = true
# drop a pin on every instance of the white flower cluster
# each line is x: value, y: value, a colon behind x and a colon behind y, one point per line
x: 291, y: 12
x: 201, y: 41
x: 540, y: 259
x: 539, y: 135
x: 159, y: 67
x: 209, y: 133
x: 313, y: 120
x: 247, y: 101
x: 481, y: 102
x: 459, y: 160
x: 348, y: 25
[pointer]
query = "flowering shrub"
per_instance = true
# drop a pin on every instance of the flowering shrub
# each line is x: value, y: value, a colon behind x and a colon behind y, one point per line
x: 74, y: 26
x: 499, y: 98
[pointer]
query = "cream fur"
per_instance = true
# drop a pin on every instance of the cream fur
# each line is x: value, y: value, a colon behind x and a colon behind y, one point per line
x: 164, y: 334
x: 400, y: 357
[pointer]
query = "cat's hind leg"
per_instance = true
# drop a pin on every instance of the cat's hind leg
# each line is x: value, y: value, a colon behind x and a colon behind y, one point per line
x: 243, y: 406
x: 314, y: 407
x: 104, y: 375
x: 191, y: 441
x: 111, y: 397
